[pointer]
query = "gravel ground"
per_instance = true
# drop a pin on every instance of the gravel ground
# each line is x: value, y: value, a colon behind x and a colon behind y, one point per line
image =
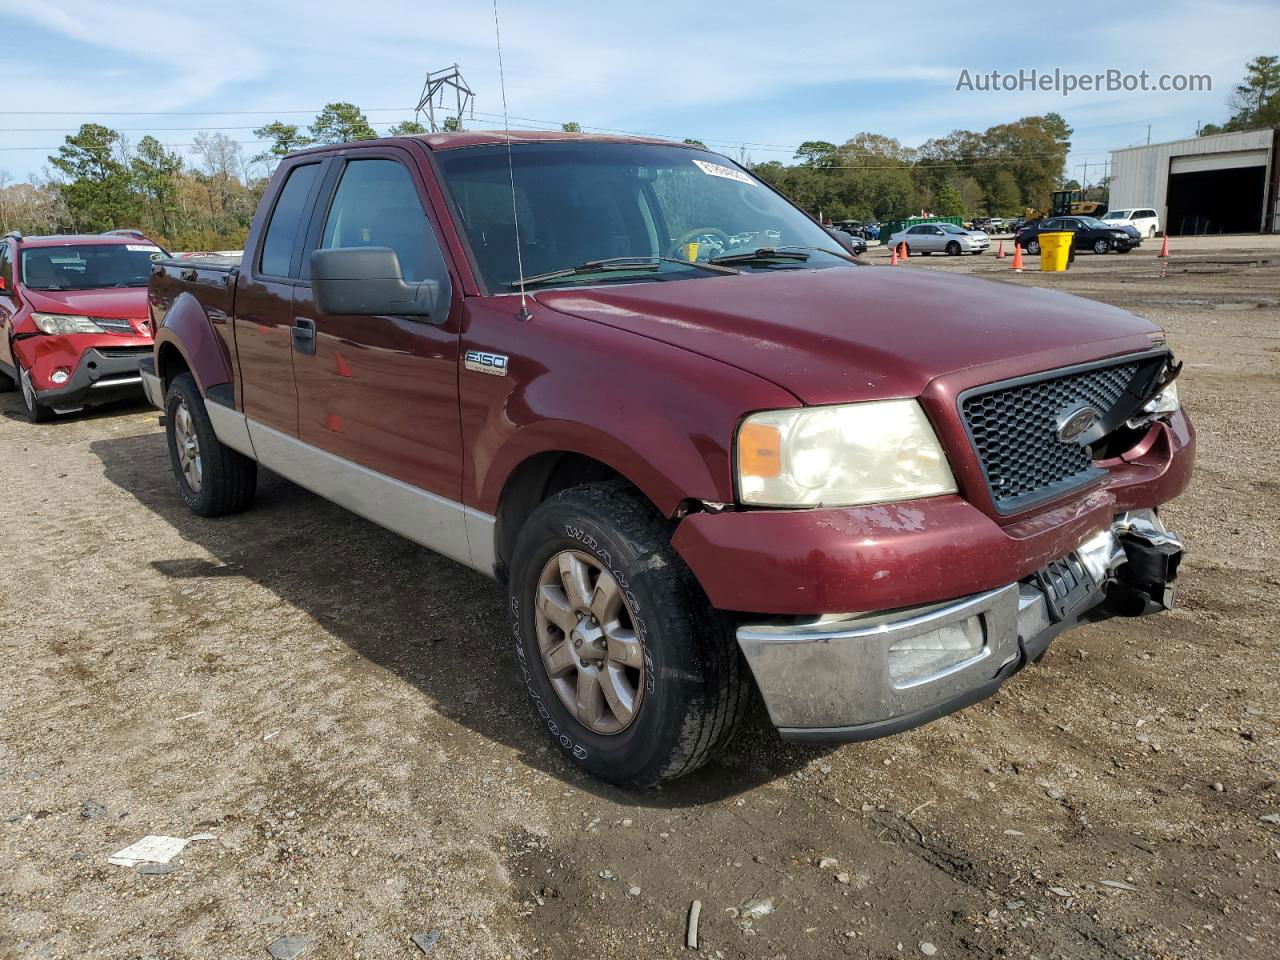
x: 337, y: 708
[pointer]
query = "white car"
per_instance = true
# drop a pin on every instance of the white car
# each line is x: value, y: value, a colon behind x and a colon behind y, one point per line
x: 1144, y: 219
x: 927, y: 238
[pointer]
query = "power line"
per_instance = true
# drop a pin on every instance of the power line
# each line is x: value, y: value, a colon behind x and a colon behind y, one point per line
x: 180, y: 113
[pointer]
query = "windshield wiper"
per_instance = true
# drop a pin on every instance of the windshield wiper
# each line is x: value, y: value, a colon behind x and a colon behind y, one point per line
x: 616, y: 263
x: 761, y: 255
x: 782, y: 254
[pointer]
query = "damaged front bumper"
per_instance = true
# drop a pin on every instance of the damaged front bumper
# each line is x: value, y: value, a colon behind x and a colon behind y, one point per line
x: 861, y: 676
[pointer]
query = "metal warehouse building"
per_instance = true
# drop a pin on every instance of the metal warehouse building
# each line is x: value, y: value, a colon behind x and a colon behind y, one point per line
x: 1224, y: 183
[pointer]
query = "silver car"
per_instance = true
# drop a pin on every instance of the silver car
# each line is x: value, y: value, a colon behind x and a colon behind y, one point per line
x: 927, y: 238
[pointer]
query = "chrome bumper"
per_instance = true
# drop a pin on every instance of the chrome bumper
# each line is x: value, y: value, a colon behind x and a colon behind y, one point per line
x: 831, y: 679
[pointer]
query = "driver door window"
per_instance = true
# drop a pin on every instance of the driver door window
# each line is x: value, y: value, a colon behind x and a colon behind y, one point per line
x: 377, y: 205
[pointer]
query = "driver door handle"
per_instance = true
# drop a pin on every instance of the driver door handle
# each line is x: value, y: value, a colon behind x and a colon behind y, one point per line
x: 304, y: 335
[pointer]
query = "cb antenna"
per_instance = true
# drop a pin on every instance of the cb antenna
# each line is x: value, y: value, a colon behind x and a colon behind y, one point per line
x: 524, y: 313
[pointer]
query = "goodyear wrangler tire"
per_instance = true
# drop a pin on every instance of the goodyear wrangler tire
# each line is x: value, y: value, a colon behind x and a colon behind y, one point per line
x: 627, y: 667
x: 213, y: 479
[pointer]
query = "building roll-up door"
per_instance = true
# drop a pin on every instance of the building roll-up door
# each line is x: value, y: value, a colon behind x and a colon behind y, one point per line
x: 1218, y: 161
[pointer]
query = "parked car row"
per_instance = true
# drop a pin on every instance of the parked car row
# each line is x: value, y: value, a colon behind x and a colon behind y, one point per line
x: 708, y: 453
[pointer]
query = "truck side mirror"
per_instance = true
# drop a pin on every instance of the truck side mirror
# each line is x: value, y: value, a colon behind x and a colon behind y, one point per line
x: 368, y: 281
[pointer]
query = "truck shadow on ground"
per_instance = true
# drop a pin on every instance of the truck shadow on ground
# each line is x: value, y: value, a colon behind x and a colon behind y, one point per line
x: 432, y: 622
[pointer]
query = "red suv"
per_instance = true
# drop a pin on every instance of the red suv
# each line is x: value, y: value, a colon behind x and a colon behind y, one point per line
x: 73, y: 318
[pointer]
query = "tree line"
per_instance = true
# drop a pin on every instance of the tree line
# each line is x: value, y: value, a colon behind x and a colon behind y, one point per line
x: 998, y: 172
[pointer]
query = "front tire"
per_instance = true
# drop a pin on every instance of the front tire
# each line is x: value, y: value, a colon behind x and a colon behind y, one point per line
x: 1101, y: 246
x: 626, y: 665
x: 1033, y: 247
x: 953, y: 248
x: 213, y: 479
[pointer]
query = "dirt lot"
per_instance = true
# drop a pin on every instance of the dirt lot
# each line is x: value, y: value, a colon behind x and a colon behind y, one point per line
x: 339, y: 709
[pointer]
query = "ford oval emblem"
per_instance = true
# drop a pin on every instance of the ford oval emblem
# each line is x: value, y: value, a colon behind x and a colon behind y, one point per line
x: 1075, y: 422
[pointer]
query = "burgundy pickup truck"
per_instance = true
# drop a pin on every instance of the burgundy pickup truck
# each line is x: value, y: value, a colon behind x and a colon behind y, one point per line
x: 708, y: 451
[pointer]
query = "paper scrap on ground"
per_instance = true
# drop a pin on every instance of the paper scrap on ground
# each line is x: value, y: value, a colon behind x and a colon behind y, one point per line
x: 148, y: 850
x: 201, y: 836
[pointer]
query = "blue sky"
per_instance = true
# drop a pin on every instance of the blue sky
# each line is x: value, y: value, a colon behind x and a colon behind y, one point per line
x: 727, y: 73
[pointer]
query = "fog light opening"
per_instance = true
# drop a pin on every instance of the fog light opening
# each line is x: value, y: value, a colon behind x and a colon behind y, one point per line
x: 923, y: 657
x: 60, y: 376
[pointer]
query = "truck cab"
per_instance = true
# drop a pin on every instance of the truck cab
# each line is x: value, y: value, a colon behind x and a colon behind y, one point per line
x: 709, y: 452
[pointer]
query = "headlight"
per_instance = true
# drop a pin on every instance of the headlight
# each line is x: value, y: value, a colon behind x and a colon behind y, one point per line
x: 841, y: 456
x: 1161, y: 405
x: 64, y: 323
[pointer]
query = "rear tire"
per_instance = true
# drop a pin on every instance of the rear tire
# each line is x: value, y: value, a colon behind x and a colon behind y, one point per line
x: 36, y: 411
x: 1033, y: 247
x: 213, y: 480
x: 653, y: 687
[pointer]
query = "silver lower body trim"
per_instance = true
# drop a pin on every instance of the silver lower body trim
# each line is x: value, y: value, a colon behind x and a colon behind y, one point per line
x: 153, y: 388
x: 435, y: 522
x: 232, y: 428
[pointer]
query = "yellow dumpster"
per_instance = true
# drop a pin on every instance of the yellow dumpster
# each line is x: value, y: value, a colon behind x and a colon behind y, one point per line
x: 1055, y: 250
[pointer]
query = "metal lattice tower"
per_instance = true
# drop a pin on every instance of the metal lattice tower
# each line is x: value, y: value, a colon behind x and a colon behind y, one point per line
x: 434, y: 91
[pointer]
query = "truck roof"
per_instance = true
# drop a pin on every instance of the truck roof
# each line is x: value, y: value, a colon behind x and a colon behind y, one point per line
x: 481, y: 138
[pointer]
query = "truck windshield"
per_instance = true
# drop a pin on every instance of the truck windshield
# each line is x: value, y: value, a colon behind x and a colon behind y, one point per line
x: 580, y: 202
x: 88, y: 266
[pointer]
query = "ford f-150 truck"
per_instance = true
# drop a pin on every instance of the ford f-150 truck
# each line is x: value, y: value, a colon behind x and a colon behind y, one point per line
x: 708, y: 451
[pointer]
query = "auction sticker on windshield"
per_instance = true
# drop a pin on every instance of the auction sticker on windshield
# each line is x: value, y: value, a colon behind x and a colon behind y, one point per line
x: 141, y: 248
x: 717, y: 170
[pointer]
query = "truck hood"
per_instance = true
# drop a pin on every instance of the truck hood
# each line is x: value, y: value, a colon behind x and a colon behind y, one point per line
x: 863, y: 333
x: 128, y: 303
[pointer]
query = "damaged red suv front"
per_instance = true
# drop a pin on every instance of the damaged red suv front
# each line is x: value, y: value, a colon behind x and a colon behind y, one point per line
x: 73, y: 319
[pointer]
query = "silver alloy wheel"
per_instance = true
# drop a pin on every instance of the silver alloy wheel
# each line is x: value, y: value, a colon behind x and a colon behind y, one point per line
x: 586, y: 634
x: 188, y: 446
x: 28, y: 390
x: 1101, y: 246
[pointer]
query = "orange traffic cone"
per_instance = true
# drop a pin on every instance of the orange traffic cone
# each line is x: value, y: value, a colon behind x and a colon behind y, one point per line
x: 1164, y: 247
x: 1017, y: 258
x: 902, y: 255
x: 1000, y: 251
x: 893, y: 256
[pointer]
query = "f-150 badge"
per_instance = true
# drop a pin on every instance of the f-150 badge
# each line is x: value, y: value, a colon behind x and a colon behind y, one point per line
x: 481, y: 362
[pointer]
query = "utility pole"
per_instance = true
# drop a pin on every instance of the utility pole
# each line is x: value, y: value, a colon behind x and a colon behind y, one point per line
x: 433, y: 89
x: 1148, y: 134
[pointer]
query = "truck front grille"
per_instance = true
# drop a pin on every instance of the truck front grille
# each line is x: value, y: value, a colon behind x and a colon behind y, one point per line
x: 1014, y: 427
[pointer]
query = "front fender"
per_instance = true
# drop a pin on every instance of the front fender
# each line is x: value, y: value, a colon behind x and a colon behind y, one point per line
x: 662, y: 417
x: 188, y: 329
